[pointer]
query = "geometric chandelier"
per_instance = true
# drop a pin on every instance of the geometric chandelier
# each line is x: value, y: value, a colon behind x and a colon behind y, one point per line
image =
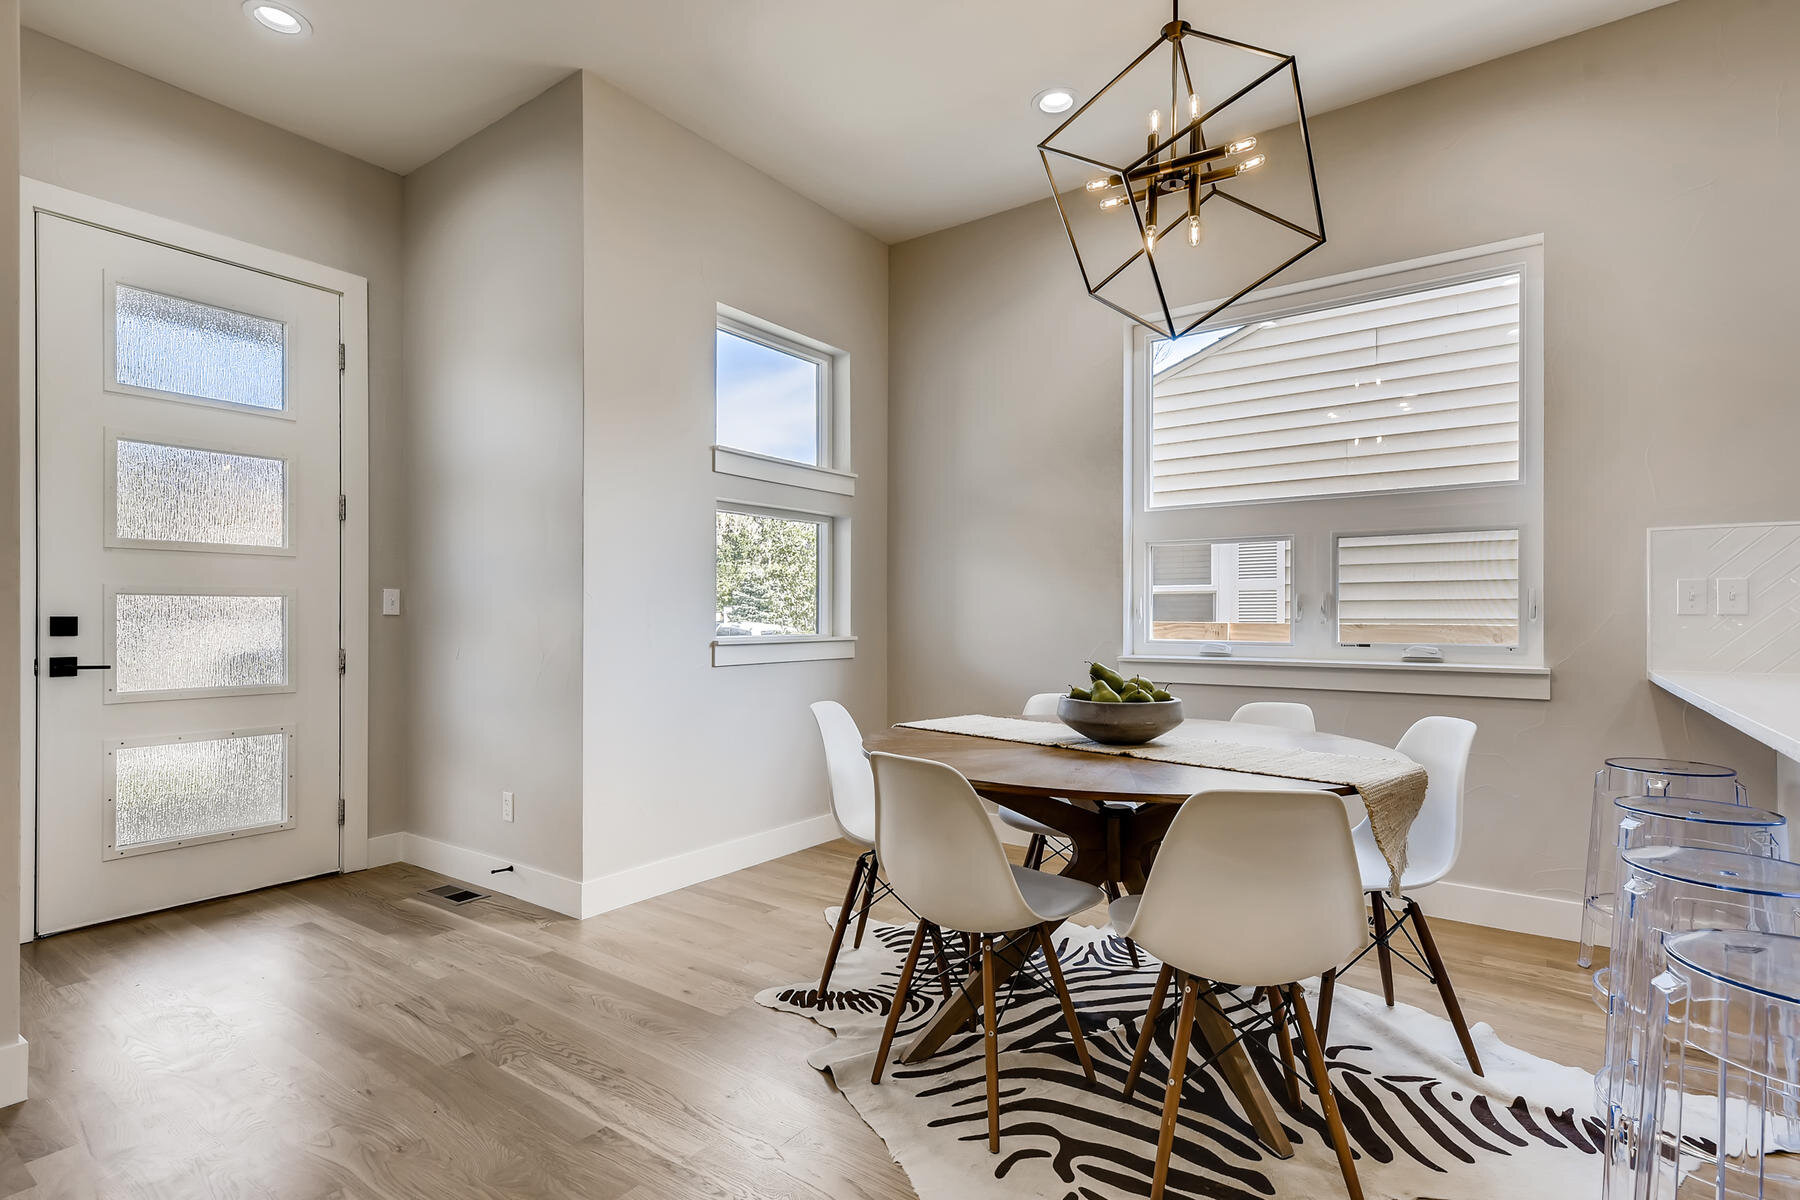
x: 1187, y: 182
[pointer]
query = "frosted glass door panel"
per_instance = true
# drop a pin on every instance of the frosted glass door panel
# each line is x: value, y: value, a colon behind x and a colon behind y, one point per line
x: 167, y: 344
x: 174, y: 793
x: 198, y: 643
x: 204, y: 497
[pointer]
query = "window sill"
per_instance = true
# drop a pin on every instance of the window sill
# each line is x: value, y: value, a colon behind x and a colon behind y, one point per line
x: 1326, y: 675
x: 747, y: 465
x: 743, y: 652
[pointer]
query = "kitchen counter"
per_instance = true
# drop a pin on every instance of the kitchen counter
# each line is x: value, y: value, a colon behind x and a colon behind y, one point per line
x: 1764, y: 706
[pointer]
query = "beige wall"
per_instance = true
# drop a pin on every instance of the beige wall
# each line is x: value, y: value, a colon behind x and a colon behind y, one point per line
x: 1656, y: 158
x: 682, y: 755
x: 10, y: 598
x: 493, y: 365
x: 96, y: 127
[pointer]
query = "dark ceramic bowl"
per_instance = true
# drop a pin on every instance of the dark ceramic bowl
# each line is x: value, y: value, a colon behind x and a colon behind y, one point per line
x: 1119, y: 724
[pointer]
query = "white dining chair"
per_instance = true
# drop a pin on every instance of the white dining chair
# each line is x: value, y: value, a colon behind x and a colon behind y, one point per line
x: 1041, y: 705
x: 1282, y: 713
x: 1214, y: 912
x: 944, y: 859
x: 853, y: 808
x: 1441, y: 745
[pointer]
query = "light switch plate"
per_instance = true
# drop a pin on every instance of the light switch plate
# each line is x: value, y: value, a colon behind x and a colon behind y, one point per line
x: 1690, y: 597
x: 390, y: 602
x: 1734, y: 596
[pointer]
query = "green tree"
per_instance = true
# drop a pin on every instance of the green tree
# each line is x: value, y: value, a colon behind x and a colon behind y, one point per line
x: 768, y: 571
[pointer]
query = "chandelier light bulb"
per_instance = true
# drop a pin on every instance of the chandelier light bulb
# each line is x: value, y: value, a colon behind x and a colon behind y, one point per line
x: 1242, y: 146
x: 1100, y: 185
x: 1193, y: 224
x: 1251, y: 163
x: 1155, y: 120
x: 1150, y: 240
x: 1112, y: 202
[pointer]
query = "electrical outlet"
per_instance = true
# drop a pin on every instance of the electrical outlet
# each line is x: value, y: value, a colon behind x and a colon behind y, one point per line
x: 506, y: 806
x: 1733, y: 596
x: 1690, y: 597
x: 390, y: 602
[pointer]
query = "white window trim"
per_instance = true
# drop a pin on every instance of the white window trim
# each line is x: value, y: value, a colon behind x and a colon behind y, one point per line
x: 1314, y: 525
x: 832, y: 472
x: 834, y: 639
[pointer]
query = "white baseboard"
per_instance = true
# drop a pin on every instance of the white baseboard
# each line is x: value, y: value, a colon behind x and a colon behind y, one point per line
x: 607, y: 892
x: 385, y: 848
x: 15, y: 1070
x: 474, y: 867
x: 1520, y: 912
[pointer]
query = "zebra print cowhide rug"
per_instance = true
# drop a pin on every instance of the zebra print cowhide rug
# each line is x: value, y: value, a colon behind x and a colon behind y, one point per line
x: 1421, y: 1124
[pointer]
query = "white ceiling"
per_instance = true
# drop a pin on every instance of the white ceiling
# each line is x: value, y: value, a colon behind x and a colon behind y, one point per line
x: 903, y: 118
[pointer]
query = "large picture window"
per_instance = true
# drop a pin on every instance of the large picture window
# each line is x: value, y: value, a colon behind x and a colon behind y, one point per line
x: 1346, y: 472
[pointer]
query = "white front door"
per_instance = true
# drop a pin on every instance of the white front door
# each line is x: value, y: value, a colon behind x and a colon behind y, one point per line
x: 188, y: 589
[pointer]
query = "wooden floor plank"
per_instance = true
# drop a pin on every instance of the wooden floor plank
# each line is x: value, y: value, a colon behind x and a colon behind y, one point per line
x: 349, y: 1039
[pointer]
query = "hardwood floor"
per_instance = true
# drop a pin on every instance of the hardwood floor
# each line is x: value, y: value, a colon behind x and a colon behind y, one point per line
x: 348, y: 1038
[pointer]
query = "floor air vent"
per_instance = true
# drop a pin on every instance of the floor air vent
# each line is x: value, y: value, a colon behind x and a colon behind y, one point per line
x: 455, y: 893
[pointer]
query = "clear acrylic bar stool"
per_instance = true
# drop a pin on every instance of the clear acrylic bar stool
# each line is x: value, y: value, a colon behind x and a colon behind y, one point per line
x: 1637, y: 821
x: 1720, y: 1113
x: 1672, y: 890
x: 1652, y: 778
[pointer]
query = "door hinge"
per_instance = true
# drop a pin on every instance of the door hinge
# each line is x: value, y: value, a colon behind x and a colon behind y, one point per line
x: 343, y: 356
x: 343, y: 507
x: 340, y: 810
x: 343, y: 661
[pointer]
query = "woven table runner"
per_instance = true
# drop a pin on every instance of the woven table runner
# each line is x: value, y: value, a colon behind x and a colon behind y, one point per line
x: 1392, y: 786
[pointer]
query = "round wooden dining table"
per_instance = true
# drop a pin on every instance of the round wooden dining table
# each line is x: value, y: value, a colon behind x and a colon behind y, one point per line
x: 1114, y: 810
x: 1122, y: 804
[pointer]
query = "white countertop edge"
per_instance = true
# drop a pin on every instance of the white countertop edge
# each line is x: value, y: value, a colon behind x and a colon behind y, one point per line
x: 1773, y: 720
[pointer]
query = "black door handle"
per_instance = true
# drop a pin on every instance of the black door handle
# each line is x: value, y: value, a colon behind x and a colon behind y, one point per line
x: 65, y: 667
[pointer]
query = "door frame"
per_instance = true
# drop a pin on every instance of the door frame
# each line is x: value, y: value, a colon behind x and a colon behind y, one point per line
x: 354, y: 597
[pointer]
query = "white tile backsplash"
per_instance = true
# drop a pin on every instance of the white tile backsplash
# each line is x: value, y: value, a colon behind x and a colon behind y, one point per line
x: 1762, y: 559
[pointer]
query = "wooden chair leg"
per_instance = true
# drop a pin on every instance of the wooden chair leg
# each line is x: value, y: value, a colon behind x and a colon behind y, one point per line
x: 1315, y: 1057
x: 1436, y: 962
x: 990, y: 1036
x: 869, y: 881
x: 943, y: 959
x: 1165, y: 1139
x: 1148, y: 1033
x: 1327, y: 985
x: 1068, y: 1005
x: 1034, y: 852
x: 837, y: 932
x: 900, y: 993
x: 1383, y: 959
x: 1284, y: 1037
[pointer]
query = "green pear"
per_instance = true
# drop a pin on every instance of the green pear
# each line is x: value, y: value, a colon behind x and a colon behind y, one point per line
x: 1076, y: 693
x: 1100, y: 693
x: 1113, y: 680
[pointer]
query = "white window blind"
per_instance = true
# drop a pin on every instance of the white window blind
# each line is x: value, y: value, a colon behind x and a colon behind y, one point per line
x: 1414, y: 390
x: 1436, y: 588
x: 1261, y: 580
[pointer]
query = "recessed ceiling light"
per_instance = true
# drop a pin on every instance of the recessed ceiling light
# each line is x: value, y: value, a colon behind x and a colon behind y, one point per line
x: 1054, y: 100
x: 278, y: 17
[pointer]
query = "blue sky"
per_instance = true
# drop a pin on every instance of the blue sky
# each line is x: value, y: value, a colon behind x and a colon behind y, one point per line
x: 767, y: 400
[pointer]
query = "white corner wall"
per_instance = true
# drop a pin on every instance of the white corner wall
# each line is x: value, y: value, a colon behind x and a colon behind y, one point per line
x: 493, y: 614
x: 1668, y: 378
x: 693, y: 770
